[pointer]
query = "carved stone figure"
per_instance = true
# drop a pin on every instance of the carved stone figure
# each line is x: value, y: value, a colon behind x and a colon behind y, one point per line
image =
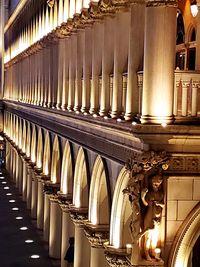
x: 153, y: 199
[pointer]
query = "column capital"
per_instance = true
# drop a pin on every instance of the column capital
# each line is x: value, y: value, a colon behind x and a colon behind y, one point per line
x: 157, y: 3
x: 117, y: 259
x: 97, y: 235
x: 78, y: 215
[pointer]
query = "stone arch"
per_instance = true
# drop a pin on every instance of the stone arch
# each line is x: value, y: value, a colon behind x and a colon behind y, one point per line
x: 47, y: 155
x: 40, y: 148
x: 28, y: 140
x: 80, y: 189
x: 66, y: 185
x: 20, y: 134
x: 190, y: 29
x: 16, y: 126
x: 55, y: 163
x: 120, y: 213
x: 99, y: 206
x: 24, y: 136
x: 33, y: 143
x: 185, y: 239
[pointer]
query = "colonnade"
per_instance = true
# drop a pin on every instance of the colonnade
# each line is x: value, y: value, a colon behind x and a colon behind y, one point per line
x: 89, y: 64
x: 58, y: 195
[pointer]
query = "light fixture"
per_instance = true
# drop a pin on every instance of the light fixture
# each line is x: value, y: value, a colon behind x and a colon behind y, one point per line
x: 11, y: 200
x: 24, y: 228
x: 35, y: 256
x: 6, y: 187
x: 15, y: 208
x: 28, y: 241
x: 4, y: 182
x: 19, y: 218
x: 8, y: 194
x: 194, y: 8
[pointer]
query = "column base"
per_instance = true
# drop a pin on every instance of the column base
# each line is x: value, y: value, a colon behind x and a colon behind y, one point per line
x: 147, y: 119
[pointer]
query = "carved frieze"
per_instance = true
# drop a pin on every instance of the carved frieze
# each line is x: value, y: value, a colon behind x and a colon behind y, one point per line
x: 115, y: 260
x: 96, y: 237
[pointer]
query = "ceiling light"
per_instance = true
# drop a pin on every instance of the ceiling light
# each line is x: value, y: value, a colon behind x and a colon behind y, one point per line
x: 194, y: 8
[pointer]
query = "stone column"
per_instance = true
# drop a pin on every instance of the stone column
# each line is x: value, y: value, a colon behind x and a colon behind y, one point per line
x: 34, y: 195
x: 54, y: 71
x: 24, y: 179
x: 79, y: 68
x: 87, y: 48
x: 97, y: 32
x: 97, y: 238
x: 81, y: 244
x: 122, y: 21
x: 65, y: 82
x: 159, y: 60
x: 55, y: 228
x: 40, y: 203
x: 67, y: 232
x: 107, y: 64
x: 46, y: 216
x: 60, y: 72
x: 29, y: 186
x: 72, y: 63
x: 135, y: 58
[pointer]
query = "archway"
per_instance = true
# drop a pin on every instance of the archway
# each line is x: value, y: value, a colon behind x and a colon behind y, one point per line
x: 66, y: 185
x: 120, y: 213
x: 80, y: 190
x: 33, y: 143
x: 39, y: 155
x: 24, y: 137
x: 55, y: 163
x: 28, y: 140
x: 47, y: 155
x: 99, y: 206
x: 185, y: 239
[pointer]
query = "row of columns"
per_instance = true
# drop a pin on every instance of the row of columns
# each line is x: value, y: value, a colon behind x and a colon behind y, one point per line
x: 84, y: 72
x: 53, y: 212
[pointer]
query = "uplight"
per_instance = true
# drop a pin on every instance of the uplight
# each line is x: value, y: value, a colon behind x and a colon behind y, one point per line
x: 164, y: 124
x: 24, y: 228
x: 11, y: 200
x: 134, y: 123
x: 19, y: 218
x: 6, y: 187
x: 35, y: 256
x: 15, y: 208
x: 4, y: 182
x: 29, y: 241
x: 8, y: 194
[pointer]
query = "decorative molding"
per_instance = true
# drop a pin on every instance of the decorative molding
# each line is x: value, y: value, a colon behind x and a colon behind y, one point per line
x: 96, y: 237
x: 117, y: 260
x: 158, y: 3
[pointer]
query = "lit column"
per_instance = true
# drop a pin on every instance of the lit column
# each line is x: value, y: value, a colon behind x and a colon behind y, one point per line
x: 46, y: 216
x: 97, y: 32
x: 135, y: 58
x: 24, y: 180
x: 79, y: 67
x: 122, y: 21
x: 81, y: 244
x: 87, y: 61
x: 107, y: 64
x: 60, y: 72
x: 46, y: 75
x: 55, y: 228
x: 67, y: 232
x: 54, y: 73
x: 29, y: 186
x: 34, y: 195
x: 49, y: 78
x: 40, y: 203
x: 158, y: 80
x: 72, y: 62
x: 65, y: 84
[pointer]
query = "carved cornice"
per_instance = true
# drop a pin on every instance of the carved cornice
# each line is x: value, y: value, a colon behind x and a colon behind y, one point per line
x: 158, y: 3
x: 117, y: 260
x: 184, y: 164
x: 78, y: 215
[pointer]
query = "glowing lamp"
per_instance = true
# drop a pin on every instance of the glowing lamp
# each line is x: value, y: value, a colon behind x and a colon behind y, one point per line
x: 194, y: 8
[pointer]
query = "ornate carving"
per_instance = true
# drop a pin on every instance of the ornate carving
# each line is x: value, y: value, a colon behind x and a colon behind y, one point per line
x: 117, y: 260
x: 161, y: 3
x: 146, y: 196
x: 106, y: 6
x: 95, y: 237
x: 78, y: 215
x: 95, y: 11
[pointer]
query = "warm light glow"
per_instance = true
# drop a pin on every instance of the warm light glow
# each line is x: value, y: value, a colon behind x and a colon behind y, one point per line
x: 12, y: 201
x: 194, y: 8
x: 134, y: 123
x: 34, y: 256
x: 19, y: 218
x: 15, y: 208
x: 6, y: 187
x: 164, y: 124
x: 24, y: 228
x: 29, y: 241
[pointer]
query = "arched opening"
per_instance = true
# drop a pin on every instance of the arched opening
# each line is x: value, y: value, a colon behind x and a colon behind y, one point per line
x: 28, y: 140
x: 24, y: 137
x: 16, y: 130
x: 66, y: 186
x: 47, y: 155
x: 55, y: 163
x: 187, y: 237
x: 120, y: 213
x: 39, y: 156
x: 33, y: 143
x: 99, y: 206
x: 80, y: 190
x: 20, y: 134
